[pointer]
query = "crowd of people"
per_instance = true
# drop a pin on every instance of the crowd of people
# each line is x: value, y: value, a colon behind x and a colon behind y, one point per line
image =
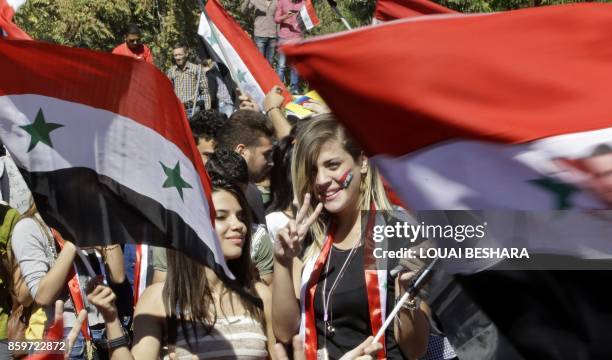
x: 276, y: 23
x: 288, y: 197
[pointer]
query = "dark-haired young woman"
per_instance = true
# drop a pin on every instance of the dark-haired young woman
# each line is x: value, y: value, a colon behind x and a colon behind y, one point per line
x: 194, y: 313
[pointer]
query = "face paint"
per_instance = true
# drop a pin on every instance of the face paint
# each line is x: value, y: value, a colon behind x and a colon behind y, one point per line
x: 346, y: 179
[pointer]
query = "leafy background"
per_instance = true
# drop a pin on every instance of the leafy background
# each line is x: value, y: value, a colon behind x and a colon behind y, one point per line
x: 99, y: 24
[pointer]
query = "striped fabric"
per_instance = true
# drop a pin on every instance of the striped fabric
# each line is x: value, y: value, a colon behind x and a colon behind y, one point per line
x: 307, y: 16
x: 109, y: 163
x: 234, y: 337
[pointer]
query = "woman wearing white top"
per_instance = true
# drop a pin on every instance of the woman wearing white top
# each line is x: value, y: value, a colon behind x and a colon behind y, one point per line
x: 194, y: 297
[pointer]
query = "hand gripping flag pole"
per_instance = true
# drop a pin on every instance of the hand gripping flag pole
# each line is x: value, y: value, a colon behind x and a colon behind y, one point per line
x: 415, y: 286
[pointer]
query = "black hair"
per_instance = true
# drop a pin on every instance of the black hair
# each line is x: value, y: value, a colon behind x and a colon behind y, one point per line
x: 132, y: 29
x: 228, y: 164
x: 281, y: 190
x: 180, y: 45
x: 207, y: 124
x: 244, y: 127
x: 187, y: 296
x: 602, y: 149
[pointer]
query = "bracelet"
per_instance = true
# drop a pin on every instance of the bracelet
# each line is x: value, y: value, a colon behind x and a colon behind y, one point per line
x: 106, y: 250
x: 270, y: 109
x: 123, y: 340
x: 411, y: 304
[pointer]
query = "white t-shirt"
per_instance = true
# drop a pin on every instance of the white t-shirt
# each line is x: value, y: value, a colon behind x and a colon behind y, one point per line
x: 275, y: 221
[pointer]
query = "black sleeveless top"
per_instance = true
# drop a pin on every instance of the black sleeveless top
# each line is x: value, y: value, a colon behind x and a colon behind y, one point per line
x: 348, y: 306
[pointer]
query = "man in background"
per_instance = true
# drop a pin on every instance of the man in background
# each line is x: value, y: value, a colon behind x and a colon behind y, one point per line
x: 247, y: 133
x: 132, y: 46
x: 264, y: 25
x: 189, y: 82
x: 205, y: 125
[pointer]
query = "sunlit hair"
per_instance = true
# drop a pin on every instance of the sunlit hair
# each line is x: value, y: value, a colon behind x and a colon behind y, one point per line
x: 12, y: 264
x: 30, y: 212
x: 310, y: 140
x: 187, y: 295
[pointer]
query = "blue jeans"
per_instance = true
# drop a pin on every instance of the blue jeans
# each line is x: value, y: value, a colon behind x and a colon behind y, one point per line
x: 267, y: 46
x: 78, y: 349
x: 280, y: 70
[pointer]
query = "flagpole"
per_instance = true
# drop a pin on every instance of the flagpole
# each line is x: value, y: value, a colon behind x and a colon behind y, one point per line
x: 214, y: 34
x: 411, y: 292
x: 334, y: 7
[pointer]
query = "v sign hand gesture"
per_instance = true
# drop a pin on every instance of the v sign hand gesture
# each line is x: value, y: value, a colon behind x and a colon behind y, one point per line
x: 290, y: 238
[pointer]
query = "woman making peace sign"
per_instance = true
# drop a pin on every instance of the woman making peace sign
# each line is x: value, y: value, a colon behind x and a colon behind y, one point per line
x: 341, y: 295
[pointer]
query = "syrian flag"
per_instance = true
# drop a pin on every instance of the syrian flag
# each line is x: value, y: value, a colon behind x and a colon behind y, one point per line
x: 307, y: 17
x: 235, y: 50
x: 105, y: 147
x: 465, y: 127
x: 206, y: 51
x: 505, y: 111
x: 7, y: 26
x: 389, y: 10
x: 462, y: 113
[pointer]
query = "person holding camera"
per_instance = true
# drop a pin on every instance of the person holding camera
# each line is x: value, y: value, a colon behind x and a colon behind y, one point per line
x: 189, y: 82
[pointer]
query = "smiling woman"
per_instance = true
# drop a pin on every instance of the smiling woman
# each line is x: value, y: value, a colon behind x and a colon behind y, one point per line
x: 194, y: 313
x: 343, y: 293
x: 229, y: 223
x: 322, y: 158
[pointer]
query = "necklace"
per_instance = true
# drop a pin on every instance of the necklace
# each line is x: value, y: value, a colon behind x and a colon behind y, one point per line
x: 327, y: 315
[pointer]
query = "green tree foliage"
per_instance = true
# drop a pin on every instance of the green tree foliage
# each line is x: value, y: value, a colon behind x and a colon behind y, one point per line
x: 100, y: 24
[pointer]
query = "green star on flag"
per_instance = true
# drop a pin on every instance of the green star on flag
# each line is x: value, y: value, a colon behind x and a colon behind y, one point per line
x: 241, y: 75
x: 174, y: 178
x: 39, y: 130
x: 562, y: 191
x: 211, y: 40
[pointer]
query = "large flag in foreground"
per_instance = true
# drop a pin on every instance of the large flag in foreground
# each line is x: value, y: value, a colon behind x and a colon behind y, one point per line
x: 106, y: 149
x: 496, y: 111
x: 7, y: 27
x: 521, y: 106
x: 388, y: 10
x: 233, y: 48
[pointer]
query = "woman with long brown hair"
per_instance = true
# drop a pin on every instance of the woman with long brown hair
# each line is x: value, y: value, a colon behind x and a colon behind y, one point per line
x: 55, y: 269
x: 342, y: 295
x: 193, y: 312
